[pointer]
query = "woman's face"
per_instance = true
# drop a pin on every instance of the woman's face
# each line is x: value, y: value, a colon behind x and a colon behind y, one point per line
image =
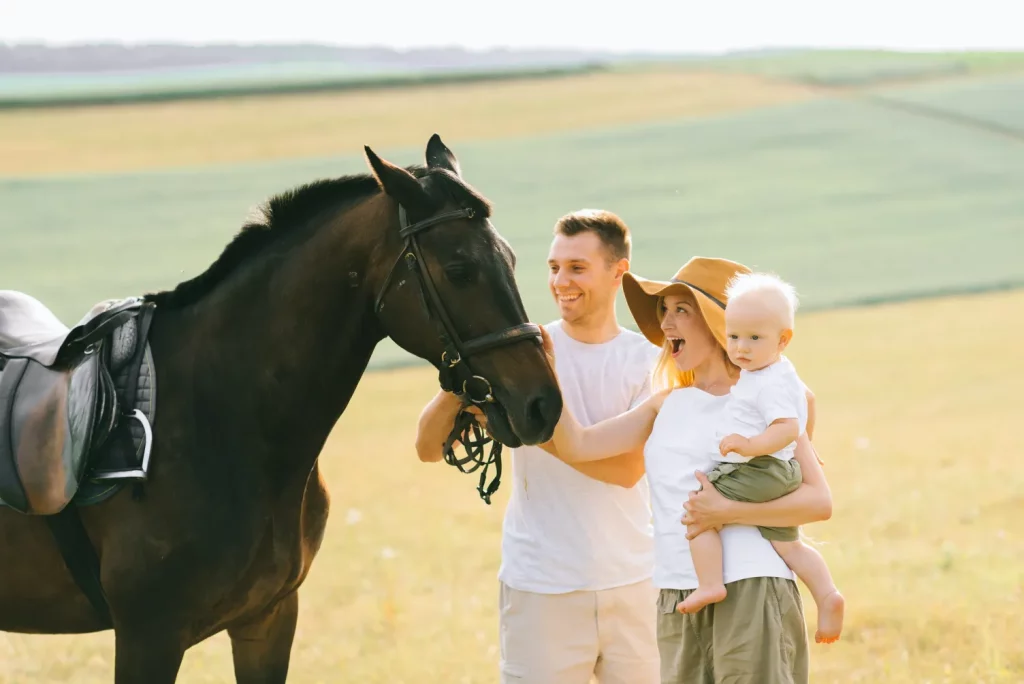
x: 691, y: 340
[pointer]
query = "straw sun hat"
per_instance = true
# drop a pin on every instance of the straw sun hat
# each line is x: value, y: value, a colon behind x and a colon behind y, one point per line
x: 704, y: 277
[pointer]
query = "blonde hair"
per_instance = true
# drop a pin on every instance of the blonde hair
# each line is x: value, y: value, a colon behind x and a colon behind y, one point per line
x: 778, y: 290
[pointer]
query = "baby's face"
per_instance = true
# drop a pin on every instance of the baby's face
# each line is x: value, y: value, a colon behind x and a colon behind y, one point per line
x: 755, y: 333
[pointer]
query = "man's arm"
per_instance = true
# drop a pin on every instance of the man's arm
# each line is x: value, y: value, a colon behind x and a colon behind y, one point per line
x: 436, y: 422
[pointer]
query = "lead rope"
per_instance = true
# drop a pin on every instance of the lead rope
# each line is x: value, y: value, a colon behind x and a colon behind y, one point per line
x: 475, y: 440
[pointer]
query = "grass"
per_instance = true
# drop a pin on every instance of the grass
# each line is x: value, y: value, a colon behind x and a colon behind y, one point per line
x: 182, y: 134
x: 917, y: 429
x: 143, y: 88
x: 849, y: 201
x: 843, y: 68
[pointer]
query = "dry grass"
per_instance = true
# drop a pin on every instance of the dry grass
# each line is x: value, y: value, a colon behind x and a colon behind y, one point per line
x: 133, y: 137
x: 920, y: 430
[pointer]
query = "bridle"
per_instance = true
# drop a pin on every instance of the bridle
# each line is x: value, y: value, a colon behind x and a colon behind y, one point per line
x: 455, y: 373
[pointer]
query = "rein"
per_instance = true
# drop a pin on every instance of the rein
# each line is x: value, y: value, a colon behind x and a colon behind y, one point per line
x: 455, y: 374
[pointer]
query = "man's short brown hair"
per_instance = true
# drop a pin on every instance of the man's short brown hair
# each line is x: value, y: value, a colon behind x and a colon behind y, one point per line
x: 612, y: 230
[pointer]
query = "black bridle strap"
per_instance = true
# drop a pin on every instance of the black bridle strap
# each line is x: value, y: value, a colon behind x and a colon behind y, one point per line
x: 474, y: 439
x: 449, y: 335
x: 455, y: 373
x: 406, y: 230
x: 501, y: 338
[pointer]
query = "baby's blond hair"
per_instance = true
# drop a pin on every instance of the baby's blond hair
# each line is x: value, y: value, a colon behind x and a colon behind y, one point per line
x: 779, y: 293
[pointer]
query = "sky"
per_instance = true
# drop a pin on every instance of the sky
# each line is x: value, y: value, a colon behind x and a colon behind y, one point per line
x: 678, y: 26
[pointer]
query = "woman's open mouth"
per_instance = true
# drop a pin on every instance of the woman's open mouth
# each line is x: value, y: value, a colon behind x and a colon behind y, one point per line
x: 677, y: 345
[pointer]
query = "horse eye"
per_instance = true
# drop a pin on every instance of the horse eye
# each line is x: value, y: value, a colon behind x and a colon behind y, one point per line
x: 462, y: 273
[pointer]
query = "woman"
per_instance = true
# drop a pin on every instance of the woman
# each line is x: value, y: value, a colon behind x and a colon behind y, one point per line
x: 757, y: 633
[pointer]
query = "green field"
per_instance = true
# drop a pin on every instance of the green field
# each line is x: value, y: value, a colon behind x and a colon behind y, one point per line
x: 38, y: 92
x: 850, y: 201
x: 994, y: 100
x: 841, y: 68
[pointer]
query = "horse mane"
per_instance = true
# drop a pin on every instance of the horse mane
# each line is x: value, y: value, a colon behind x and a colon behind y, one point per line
x: 283, y: 214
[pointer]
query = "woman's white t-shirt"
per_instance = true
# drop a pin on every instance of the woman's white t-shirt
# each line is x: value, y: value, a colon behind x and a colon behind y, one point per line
x: 683, y: 440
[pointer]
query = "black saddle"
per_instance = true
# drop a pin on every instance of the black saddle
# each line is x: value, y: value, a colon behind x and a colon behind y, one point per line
x: 62, y: 413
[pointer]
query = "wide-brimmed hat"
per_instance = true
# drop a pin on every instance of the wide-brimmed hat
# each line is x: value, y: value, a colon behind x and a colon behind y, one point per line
x: 704, y: 277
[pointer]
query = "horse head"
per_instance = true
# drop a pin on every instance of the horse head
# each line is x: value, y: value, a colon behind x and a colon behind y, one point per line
x: 449, y: 296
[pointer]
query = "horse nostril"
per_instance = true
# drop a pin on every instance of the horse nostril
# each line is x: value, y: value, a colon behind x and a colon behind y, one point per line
x: 544, y: 409
x: 535, y: 411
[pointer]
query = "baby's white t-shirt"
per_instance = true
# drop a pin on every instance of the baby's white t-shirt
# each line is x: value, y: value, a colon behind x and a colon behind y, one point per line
x: 761, y: 397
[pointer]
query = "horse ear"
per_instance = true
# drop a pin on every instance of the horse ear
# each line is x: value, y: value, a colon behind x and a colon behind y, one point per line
x: 440, y: 157
x: 399, y: 184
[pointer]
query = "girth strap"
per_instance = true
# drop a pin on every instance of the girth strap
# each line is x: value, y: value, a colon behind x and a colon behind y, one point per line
x: 80, y: 557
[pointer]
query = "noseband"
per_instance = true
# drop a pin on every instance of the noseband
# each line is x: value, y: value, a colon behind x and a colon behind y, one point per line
x: 455, y: 373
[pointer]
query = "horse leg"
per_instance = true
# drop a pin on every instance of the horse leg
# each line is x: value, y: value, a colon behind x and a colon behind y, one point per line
x: 146, y: 658
x: 262, y: 648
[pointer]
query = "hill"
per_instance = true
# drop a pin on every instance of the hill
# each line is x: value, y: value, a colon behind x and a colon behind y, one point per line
x: 116, y: 57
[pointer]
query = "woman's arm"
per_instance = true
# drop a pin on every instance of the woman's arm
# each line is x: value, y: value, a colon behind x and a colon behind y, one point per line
x: 624, y: 470
x: 624, y: 433
x: 436, y: 422
x: 811, y: 502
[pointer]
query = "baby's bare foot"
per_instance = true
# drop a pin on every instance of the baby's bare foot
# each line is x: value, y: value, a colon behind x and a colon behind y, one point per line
x: 702, y: 596
x: 830, y: 618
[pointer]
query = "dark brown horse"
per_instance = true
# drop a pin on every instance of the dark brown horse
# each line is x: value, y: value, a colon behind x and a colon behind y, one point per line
x: 256, y: 359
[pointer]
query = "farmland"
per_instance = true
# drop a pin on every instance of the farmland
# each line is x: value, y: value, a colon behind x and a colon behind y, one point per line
x: 902, y: 229
x: 849, y: 200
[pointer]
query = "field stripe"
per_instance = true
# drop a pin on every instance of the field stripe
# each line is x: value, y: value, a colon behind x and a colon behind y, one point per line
x: 98, y: 96
x: 833, y: 195
x: 253, y: 129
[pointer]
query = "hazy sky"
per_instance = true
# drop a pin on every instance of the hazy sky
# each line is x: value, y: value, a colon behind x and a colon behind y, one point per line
x: 682, y: 25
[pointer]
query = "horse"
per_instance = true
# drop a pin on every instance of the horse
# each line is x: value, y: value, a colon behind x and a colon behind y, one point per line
x: 256, y: 358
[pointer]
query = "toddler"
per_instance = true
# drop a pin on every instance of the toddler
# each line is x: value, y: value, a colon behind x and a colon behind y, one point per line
x: 767, y: 411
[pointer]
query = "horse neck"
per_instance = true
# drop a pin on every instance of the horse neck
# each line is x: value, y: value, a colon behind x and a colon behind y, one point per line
x: 272, y: 357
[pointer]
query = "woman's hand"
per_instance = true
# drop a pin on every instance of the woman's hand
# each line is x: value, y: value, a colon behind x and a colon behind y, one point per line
x: 706, y: 509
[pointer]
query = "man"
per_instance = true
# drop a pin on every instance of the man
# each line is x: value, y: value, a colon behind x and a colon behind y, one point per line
x: 576, y: 598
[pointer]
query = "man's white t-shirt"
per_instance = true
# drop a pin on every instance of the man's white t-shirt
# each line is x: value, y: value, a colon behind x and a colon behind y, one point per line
x: 761, y: 397
x: 564, y: 531
x: 685, y: 439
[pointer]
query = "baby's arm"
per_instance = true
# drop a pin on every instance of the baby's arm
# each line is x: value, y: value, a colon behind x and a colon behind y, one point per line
x: 779, y: 407
x: 779, y: 434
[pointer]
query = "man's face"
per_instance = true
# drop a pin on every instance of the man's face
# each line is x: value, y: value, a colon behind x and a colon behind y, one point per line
x: 583, y: 276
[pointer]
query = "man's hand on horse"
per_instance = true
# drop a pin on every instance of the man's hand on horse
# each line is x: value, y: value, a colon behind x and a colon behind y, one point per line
x: 481, y: 417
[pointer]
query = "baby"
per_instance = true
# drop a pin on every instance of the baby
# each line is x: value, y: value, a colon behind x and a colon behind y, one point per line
x: 767, y: 412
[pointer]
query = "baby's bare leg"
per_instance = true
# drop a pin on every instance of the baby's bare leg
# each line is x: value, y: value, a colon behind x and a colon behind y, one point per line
x: 706, y: 550
x: 810, y: 567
